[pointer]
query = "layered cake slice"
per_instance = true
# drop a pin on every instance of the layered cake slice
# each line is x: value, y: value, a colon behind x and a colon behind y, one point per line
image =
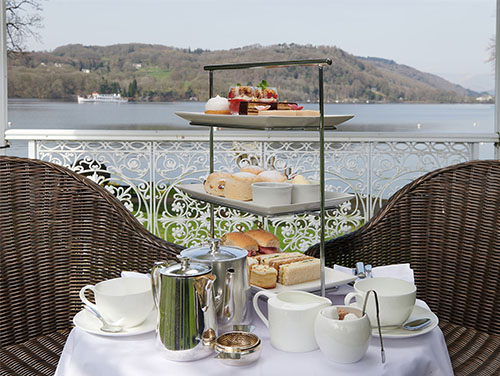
x: 262, y: 108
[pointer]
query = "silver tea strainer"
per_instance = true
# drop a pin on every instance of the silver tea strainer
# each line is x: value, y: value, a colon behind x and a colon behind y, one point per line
x: 238, y: 348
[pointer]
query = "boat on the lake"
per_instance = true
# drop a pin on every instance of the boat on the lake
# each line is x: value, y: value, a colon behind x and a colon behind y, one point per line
x: 95, y: 97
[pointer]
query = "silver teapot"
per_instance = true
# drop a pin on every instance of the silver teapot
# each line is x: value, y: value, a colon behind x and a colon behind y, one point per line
x: 184, y: 296
x: 232, y: 290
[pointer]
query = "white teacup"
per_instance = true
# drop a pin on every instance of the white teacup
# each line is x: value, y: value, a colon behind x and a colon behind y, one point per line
x: 342, y: 341
x: 291, y: 319
x: 396, y: 299
x: 125, y: 302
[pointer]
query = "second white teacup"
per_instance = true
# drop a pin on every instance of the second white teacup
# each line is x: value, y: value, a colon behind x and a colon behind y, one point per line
x: 125, y: 302
x: 396, y: 299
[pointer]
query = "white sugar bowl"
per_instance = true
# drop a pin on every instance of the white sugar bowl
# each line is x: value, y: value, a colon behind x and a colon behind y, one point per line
x: 342, y: 341
x: 305, y: 192
x: 271, y: 193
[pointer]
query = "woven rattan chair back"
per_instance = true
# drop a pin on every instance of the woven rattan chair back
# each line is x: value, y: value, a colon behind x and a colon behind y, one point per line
x: 447, y: 225
x: 58, y: 232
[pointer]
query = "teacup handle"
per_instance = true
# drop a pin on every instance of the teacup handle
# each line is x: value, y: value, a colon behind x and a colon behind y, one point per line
x: 350, y: 296
x: 84, y: 298
x: 256, y: 305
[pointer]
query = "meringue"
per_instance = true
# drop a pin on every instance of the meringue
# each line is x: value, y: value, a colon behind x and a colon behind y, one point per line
x: 217, y: 105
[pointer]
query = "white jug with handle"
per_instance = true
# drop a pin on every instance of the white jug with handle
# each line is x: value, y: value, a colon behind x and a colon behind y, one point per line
x: 291, y: 318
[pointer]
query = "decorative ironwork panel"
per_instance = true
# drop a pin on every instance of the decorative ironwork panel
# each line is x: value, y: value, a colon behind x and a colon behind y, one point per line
x: 123, y: 168
x: 144, y: 176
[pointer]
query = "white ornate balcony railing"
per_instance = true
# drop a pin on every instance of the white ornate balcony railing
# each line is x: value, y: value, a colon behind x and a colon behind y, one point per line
x: 143, y: 168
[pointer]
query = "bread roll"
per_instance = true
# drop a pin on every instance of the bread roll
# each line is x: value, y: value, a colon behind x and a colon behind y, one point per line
x: 215, y: 183
x: 272, y: 176
x: 256, y: 170
x: 268, y: 243
x: 239, y: 186
x: 239, y: 239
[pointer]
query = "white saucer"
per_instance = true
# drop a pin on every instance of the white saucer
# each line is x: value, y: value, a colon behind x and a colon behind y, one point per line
x: 87, y: 321
x: 418, y: 313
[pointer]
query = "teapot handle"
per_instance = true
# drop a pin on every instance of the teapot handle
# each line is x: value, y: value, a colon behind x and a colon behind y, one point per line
x: 155, y: 281
x: 256, y: 305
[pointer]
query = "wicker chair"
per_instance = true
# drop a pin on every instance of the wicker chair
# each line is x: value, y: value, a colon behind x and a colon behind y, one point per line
x: 58, y: 232
x: 446, y: 224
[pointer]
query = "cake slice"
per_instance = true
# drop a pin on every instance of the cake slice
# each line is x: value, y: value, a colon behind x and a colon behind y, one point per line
x: 263, y: 276
x: 299, y: 272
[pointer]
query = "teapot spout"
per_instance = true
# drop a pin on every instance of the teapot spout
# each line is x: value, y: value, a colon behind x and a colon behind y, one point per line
x: 203, y: 285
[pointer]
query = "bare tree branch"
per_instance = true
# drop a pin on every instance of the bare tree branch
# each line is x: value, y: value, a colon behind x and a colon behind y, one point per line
x: 23, y: 18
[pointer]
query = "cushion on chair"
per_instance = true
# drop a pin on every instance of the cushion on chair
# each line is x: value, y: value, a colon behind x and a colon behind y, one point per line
x: 38, y: 356
x: 472, y: 352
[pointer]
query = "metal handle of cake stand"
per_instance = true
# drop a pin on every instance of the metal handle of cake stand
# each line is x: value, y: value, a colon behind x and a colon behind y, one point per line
x: 382, y: 352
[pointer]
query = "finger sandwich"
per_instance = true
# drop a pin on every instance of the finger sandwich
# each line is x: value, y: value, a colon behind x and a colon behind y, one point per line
x: 299, y: 272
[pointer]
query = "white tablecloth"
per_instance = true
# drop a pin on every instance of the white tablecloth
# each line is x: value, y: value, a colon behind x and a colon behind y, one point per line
x: 87, y: 354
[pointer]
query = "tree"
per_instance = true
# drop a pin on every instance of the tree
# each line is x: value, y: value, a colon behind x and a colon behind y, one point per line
x: 132, y: 88
x: 492, y: 50
x: 23, y: 17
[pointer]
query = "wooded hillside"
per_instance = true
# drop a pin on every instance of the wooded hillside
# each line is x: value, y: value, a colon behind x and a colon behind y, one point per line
x: 155, y: 72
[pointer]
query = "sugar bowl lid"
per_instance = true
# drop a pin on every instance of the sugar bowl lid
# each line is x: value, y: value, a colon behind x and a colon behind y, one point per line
x: 214, y: 252
x: 186, y: 268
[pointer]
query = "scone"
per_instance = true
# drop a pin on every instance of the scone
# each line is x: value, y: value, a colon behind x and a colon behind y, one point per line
x: 272, y: 176
x: 216, y: 182
x: 252, y: 169
x: 263, y: 276
x: 239, y: 186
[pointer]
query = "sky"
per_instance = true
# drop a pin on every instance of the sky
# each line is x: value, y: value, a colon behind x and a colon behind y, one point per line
x: 445, y: 37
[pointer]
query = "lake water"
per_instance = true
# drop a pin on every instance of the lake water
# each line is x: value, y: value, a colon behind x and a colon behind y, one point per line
x: 469, y: 118
x: 425, y: 118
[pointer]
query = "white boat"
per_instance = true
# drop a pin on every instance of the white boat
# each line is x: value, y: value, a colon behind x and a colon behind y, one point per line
x: 95, y: 97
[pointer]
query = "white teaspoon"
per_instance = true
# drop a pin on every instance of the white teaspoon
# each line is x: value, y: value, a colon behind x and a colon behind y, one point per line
x: 106, y: 327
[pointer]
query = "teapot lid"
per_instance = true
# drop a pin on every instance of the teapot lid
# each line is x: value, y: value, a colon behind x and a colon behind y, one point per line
x: 214, y: 252
x: 186, y: 268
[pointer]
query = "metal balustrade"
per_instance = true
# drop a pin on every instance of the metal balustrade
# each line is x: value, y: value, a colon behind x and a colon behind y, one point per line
x: 143, y: 168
